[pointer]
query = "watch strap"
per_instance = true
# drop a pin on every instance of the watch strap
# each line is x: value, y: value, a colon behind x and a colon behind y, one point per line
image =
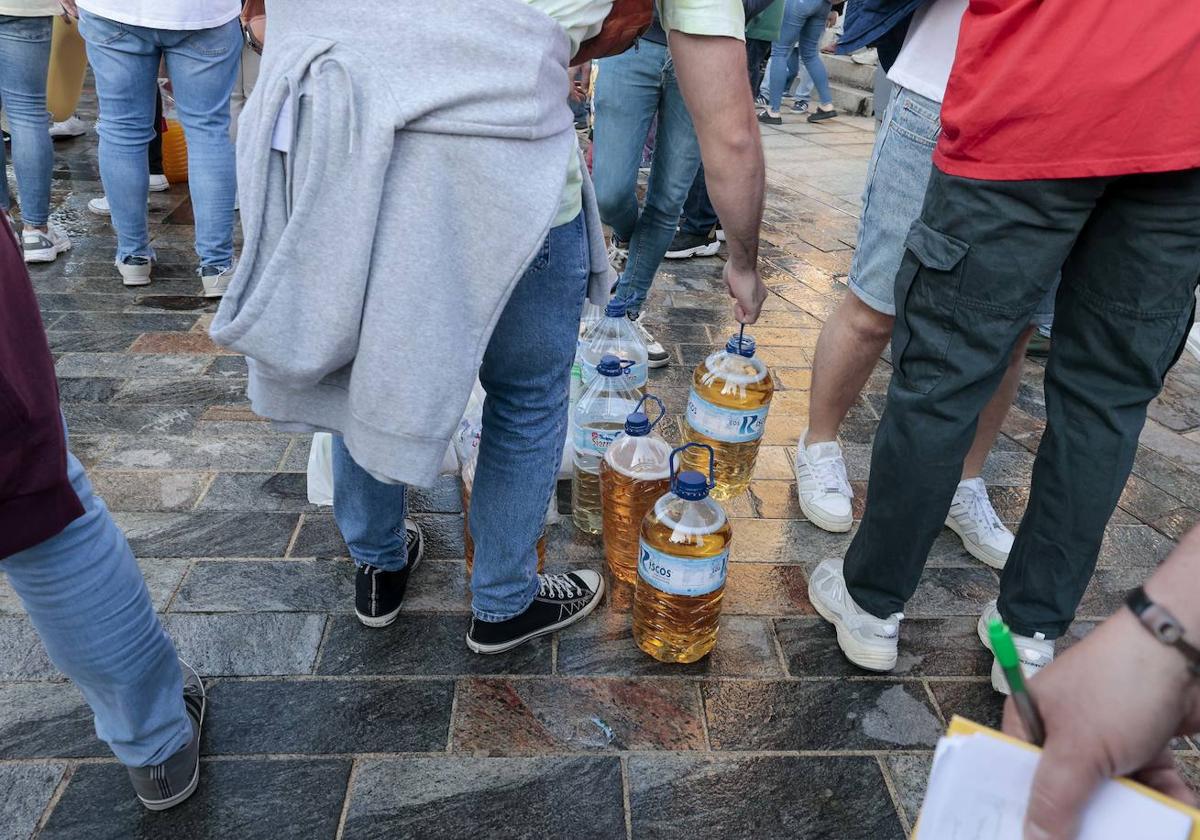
x: 1163, y: 626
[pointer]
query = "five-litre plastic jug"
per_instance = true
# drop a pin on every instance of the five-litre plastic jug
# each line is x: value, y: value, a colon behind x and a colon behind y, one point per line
x: 599, y: 417
x: 682, y: 567
x: 616, y: 335
x: 635, y: 472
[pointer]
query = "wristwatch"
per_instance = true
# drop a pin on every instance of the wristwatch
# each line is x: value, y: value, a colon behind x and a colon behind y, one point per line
x: 1164, y: 626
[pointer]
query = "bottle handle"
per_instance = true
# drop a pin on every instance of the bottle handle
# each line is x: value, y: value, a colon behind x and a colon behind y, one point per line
x: 712, y: 462
x: 626, y: 366
x: 662, y: 409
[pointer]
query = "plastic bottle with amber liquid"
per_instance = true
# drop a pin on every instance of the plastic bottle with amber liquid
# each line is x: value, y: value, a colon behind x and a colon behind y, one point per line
x: 682, y: 566
x: 635, y: 472
x: 727, y: 411
x: 599, y: 418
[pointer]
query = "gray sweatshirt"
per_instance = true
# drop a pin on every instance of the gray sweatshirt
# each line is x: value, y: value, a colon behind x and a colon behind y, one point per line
x: 428, y: 143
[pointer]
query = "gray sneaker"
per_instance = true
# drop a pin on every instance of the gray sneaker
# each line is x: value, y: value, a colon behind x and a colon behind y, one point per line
x: 135, y: 271
x: 215, y: 279
x: 165, y: 785
x: 39, y: 247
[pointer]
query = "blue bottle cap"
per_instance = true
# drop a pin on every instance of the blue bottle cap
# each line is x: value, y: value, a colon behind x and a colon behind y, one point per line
x: 691, y: 485
x: 615, y: 308
x: 743, y: 346
x: 637, y: 424
x: 609, y: 365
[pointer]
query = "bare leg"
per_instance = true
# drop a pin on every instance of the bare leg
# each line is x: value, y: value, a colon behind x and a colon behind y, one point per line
x: 847, y: 350
x: 993, y: 414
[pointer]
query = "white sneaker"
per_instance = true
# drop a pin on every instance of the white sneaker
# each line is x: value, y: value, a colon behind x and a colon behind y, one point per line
x: 618, y: 254
x: 867, y: 56
x: 215, y: 280
x: 135, y: 271
x: 867, y: 641
x: 720, y: 234
x: 159, y: 183
x: 45, y: 247
x: 822, y: 485
x: 99, y: 206
x: 656, y: 355
x: 72, y: 126
x: 1035, y: 652
x: 974, y: 519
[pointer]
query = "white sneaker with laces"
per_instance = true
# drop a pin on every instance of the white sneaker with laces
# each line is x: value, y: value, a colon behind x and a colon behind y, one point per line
x: 72, y: 126
x: 99, y: 206
x: 656, y: 355
x: 618, y: 254
x: 1035, y: 652
x: 159, y: 183
x: 39, y: 247
x: 867, y: 641
x: 974, y: 519
x: 822, y: 485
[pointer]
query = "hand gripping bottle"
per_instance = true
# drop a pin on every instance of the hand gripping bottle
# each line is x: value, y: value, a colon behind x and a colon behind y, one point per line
x: 599, y: 416
x: 615, y: 334
x: 635, y: 472
x: 727, y: 410
x: 682, y: 564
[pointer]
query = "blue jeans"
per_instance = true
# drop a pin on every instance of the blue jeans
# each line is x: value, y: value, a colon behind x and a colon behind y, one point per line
x: 526, y: 372
x: 803, y: 25
x: 803, y: 90
x: 630, y: 90
x: 24, y: 61
x: 203, y: 64
x: 88, y: 602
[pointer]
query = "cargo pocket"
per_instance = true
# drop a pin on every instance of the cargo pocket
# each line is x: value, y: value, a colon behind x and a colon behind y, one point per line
x: 927, y: 291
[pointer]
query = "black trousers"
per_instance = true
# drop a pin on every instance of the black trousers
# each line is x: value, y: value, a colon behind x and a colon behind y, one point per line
x: 979, y: 259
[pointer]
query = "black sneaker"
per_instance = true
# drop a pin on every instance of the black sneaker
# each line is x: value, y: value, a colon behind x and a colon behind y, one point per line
x: 378, y: 594
x: 686, y: 245
x: 163, y: 786
x: 800, y: 106
x: 822, y: 114
x: 561, y: 601
x: 766, y: 118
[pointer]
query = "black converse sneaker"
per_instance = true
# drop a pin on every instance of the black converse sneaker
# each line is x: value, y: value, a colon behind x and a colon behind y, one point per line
x: 378, y: 594
x: 163, y: 786
x: 561, y: 601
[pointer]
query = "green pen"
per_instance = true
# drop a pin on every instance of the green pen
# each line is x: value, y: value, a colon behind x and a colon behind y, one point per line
x: 1006, y: 655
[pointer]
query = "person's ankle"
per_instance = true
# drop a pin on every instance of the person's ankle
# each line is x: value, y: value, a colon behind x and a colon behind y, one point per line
x: 814, y: 437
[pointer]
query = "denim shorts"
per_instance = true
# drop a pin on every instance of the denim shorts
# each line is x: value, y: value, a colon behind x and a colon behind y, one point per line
x: 896, y: 180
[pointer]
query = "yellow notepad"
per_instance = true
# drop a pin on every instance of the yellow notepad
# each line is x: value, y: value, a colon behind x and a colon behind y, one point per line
x: 1177, y: 821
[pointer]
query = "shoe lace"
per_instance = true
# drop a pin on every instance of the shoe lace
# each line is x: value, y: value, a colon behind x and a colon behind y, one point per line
x: 980, y: 510
x: 830, y: 475
x: 643, y: 332
x: 559, y: 586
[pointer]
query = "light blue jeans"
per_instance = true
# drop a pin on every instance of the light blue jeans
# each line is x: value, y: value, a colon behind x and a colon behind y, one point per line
x: 24, y: 61
x: 203, y: 64
x: 630, y: 90
x: 88, y: 602
x: 802, y: 89
x: 526, y: 372
x: 803, y: 25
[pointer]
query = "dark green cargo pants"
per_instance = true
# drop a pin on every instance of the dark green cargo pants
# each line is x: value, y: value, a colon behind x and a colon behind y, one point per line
x: 979, y: 260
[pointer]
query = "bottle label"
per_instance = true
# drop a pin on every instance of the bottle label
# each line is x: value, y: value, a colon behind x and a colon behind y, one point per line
x: 728, y: 425
x: 593, y: 440
x: 689, y: 576
x: 635, y: 377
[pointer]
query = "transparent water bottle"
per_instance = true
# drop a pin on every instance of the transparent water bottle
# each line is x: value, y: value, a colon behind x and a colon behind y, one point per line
x: 592, y: 314
x: 635, y: 472
x: 727, y: 411
x: 682, y: 566
x: 599, y: 417
x: 616, y: 335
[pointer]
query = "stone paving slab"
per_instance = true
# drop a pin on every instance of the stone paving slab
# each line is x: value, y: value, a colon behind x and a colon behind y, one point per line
x: 319, y: 728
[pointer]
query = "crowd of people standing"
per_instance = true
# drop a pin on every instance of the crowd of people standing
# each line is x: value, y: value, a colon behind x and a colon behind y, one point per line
x: 468, y: 218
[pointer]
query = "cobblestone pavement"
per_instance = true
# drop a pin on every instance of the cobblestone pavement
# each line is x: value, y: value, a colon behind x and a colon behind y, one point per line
x: 320, y: 728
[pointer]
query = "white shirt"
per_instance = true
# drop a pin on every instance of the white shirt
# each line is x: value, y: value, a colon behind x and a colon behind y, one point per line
x: 924, y: 63
x: 166, y: 14
x: 30, y: 8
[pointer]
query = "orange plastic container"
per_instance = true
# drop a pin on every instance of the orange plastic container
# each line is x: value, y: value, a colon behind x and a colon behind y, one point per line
x: 175, y: 156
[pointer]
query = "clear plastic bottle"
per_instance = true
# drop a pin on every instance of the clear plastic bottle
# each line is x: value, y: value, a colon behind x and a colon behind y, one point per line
x: 592, y: 314
x: 616, y: 335
x: 727, y: 410
x: 600, y: 415
x: 635, y: 472
x: 682, y: 567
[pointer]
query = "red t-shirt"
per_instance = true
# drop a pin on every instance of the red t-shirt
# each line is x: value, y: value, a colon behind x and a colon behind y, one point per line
x: 1073, y: 89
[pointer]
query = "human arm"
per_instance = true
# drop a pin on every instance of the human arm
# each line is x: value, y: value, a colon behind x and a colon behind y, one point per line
x: 1112, y: 703
x: 69, y: 9
x: 712, y: 77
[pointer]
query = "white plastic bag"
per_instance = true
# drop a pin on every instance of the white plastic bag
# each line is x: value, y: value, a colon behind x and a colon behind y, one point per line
x: 320, y: 469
